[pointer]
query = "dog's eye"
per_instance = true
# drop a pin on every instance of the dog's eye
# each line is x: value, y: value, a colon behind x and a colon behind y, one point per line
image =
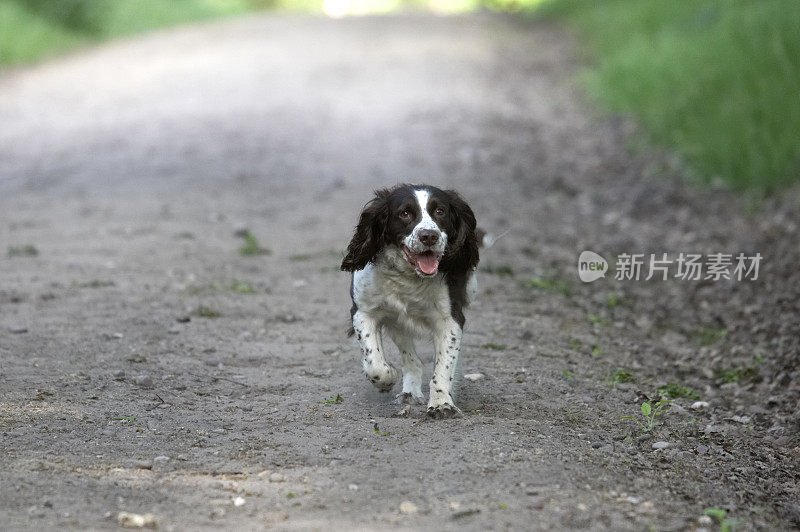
x: 405, y: 215
x: 439, y: 211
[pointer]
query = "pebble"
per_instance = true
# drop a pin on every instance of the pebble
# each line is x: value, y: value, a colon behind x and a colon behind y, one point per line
x: 276, y: 477
x: 119, y: 375
x: 183, y: 319
x: 536, y: 503
x: 474, y: 376
x: 408, y: 508
x: 35, y: 512
x: 131, y: 520
x: 353, y: 487
x: 263, y: 474
x: 698, y: 405
x: 161, y: 458
x: 17, y: 329
x: 783, y: 441
x: 238, y: 501
x: 702, y: 449
x: 143, y: 464
x: 705, y: 520
x: 597, y: 444
x: 661, y: 445
x: 145, y: 381
x: 214, y: 362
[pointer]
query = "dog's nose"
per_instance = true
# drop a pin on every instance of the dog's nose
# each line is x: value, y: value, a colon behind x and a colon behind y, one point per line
x: 428, y: 237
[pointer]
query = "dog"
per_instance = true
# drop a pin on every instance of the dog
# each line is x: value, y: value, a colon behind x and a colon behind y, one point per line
x: 413, y: 257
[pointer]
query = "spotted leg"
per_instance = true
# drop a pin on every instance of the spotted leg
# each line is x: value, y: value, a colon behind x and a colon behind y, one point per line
x: 412, y: 371
x: 377, y: 370
x: 447, y: 344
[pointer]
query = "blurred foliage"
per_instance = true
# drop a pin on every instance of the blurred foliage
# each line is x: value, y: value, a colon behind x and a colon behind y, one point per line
x: 33, y: 29
x: 718, y: 81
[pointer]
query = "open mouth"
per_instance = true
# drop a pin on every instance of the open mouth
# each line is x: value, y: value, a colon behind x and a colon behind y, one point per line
x: 425, y: 263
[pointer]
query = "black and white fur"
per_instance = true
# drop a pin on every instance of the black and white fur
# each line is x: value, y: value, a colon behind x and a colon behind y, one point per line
x: 413, y: 258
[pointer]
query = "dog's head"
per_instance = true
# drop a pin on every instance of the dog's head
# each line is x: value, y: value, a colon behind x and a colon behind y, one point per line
x: 433, y: 228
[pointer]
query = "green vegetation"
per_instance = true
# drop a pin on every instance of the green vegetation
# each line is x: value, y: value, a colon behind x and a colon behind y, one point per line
x: 207, y: 312
x: 501, y: 271
x: 251, y: 246
x: 23, y: 251
x: 599, y: 320
x: 551, y: 285
x: 34, y: 29
x: 242, y: 287
x: 715, y: 80
x: 738, y: 374
x: 621, y: 375
x: 378, y: 431
x: 649, y: 413
x: 338, y: 399
x: 721, y: 516
x: 495, y: 347
x: 613, y: 300
x: 708, y: 336
x: 674, y: 390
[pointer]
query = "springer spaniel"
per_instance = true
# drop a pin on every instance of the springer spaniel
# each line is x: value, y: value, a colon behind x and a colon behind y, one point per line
x: 413, y: 258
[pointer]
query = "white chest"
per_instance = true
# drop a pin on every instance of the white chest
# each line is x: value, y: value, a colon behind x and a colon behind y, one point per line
x: 397, y: 300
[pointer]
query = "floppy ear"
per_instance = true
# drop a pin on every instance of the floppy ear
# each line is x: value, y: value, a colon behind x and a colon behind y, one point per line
x: 462, y: 253
x: 369, y: 235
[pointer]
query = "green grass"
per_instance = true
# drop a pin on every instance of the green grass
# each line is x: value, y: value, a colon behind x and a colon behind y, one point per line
x: 717, y: 81
x: 558, y: 286
x: 251, y: 246
x: 23, y: 251
x: 495, y: 347
x: 335, y: 400
x: 207, y: 312
x: 35, y: 29
x: 726, y: 524
x: 673, y: 390
x: 738, y: 374
x: 621, y: 375
x: 708, y: 336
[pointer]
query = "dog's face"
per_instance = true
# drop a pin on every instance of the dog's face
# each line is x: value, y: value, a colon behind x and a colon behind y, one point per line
x: 434, y: 229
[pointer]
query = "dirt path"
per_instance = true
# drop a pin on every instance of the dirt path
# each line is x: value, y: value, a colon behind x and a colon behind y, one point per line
x: 130, y: 168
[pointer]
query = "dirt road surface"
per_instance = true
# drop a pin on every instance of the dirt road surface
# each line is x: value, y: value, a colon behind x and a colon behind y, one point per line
x: 147, y: 366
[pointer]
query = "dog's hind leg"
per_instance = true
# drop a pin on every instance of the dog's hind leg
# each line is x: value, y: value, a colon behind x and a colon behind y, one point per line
x: 412, y: 370
x: 368, y: 332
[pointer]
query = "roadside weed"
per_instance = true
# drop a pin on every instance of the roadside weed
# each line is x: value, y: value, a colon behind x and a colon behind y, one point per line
x: 647, y: 420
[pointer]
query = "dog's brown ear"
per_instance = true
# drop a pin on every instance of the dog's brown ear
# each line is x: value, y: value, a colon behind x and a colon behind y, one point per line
x: 462, y: 253
x: 370, y: 233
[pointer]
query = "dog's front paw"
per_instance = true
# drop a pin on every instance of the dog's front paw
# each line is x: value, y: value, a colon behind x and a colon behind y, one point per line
x: 444, y: 411
x: 383, y: 377
x: 407, y: 398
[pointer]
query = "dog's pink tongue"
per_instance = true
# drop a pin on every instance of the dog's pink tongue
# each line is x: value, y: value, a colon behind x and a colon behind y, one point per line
x: 428, y: 264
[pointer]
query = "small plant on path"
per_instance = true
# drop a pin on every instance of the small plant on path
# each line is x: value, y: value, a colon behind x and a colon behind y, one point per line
x: 647, y: 420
